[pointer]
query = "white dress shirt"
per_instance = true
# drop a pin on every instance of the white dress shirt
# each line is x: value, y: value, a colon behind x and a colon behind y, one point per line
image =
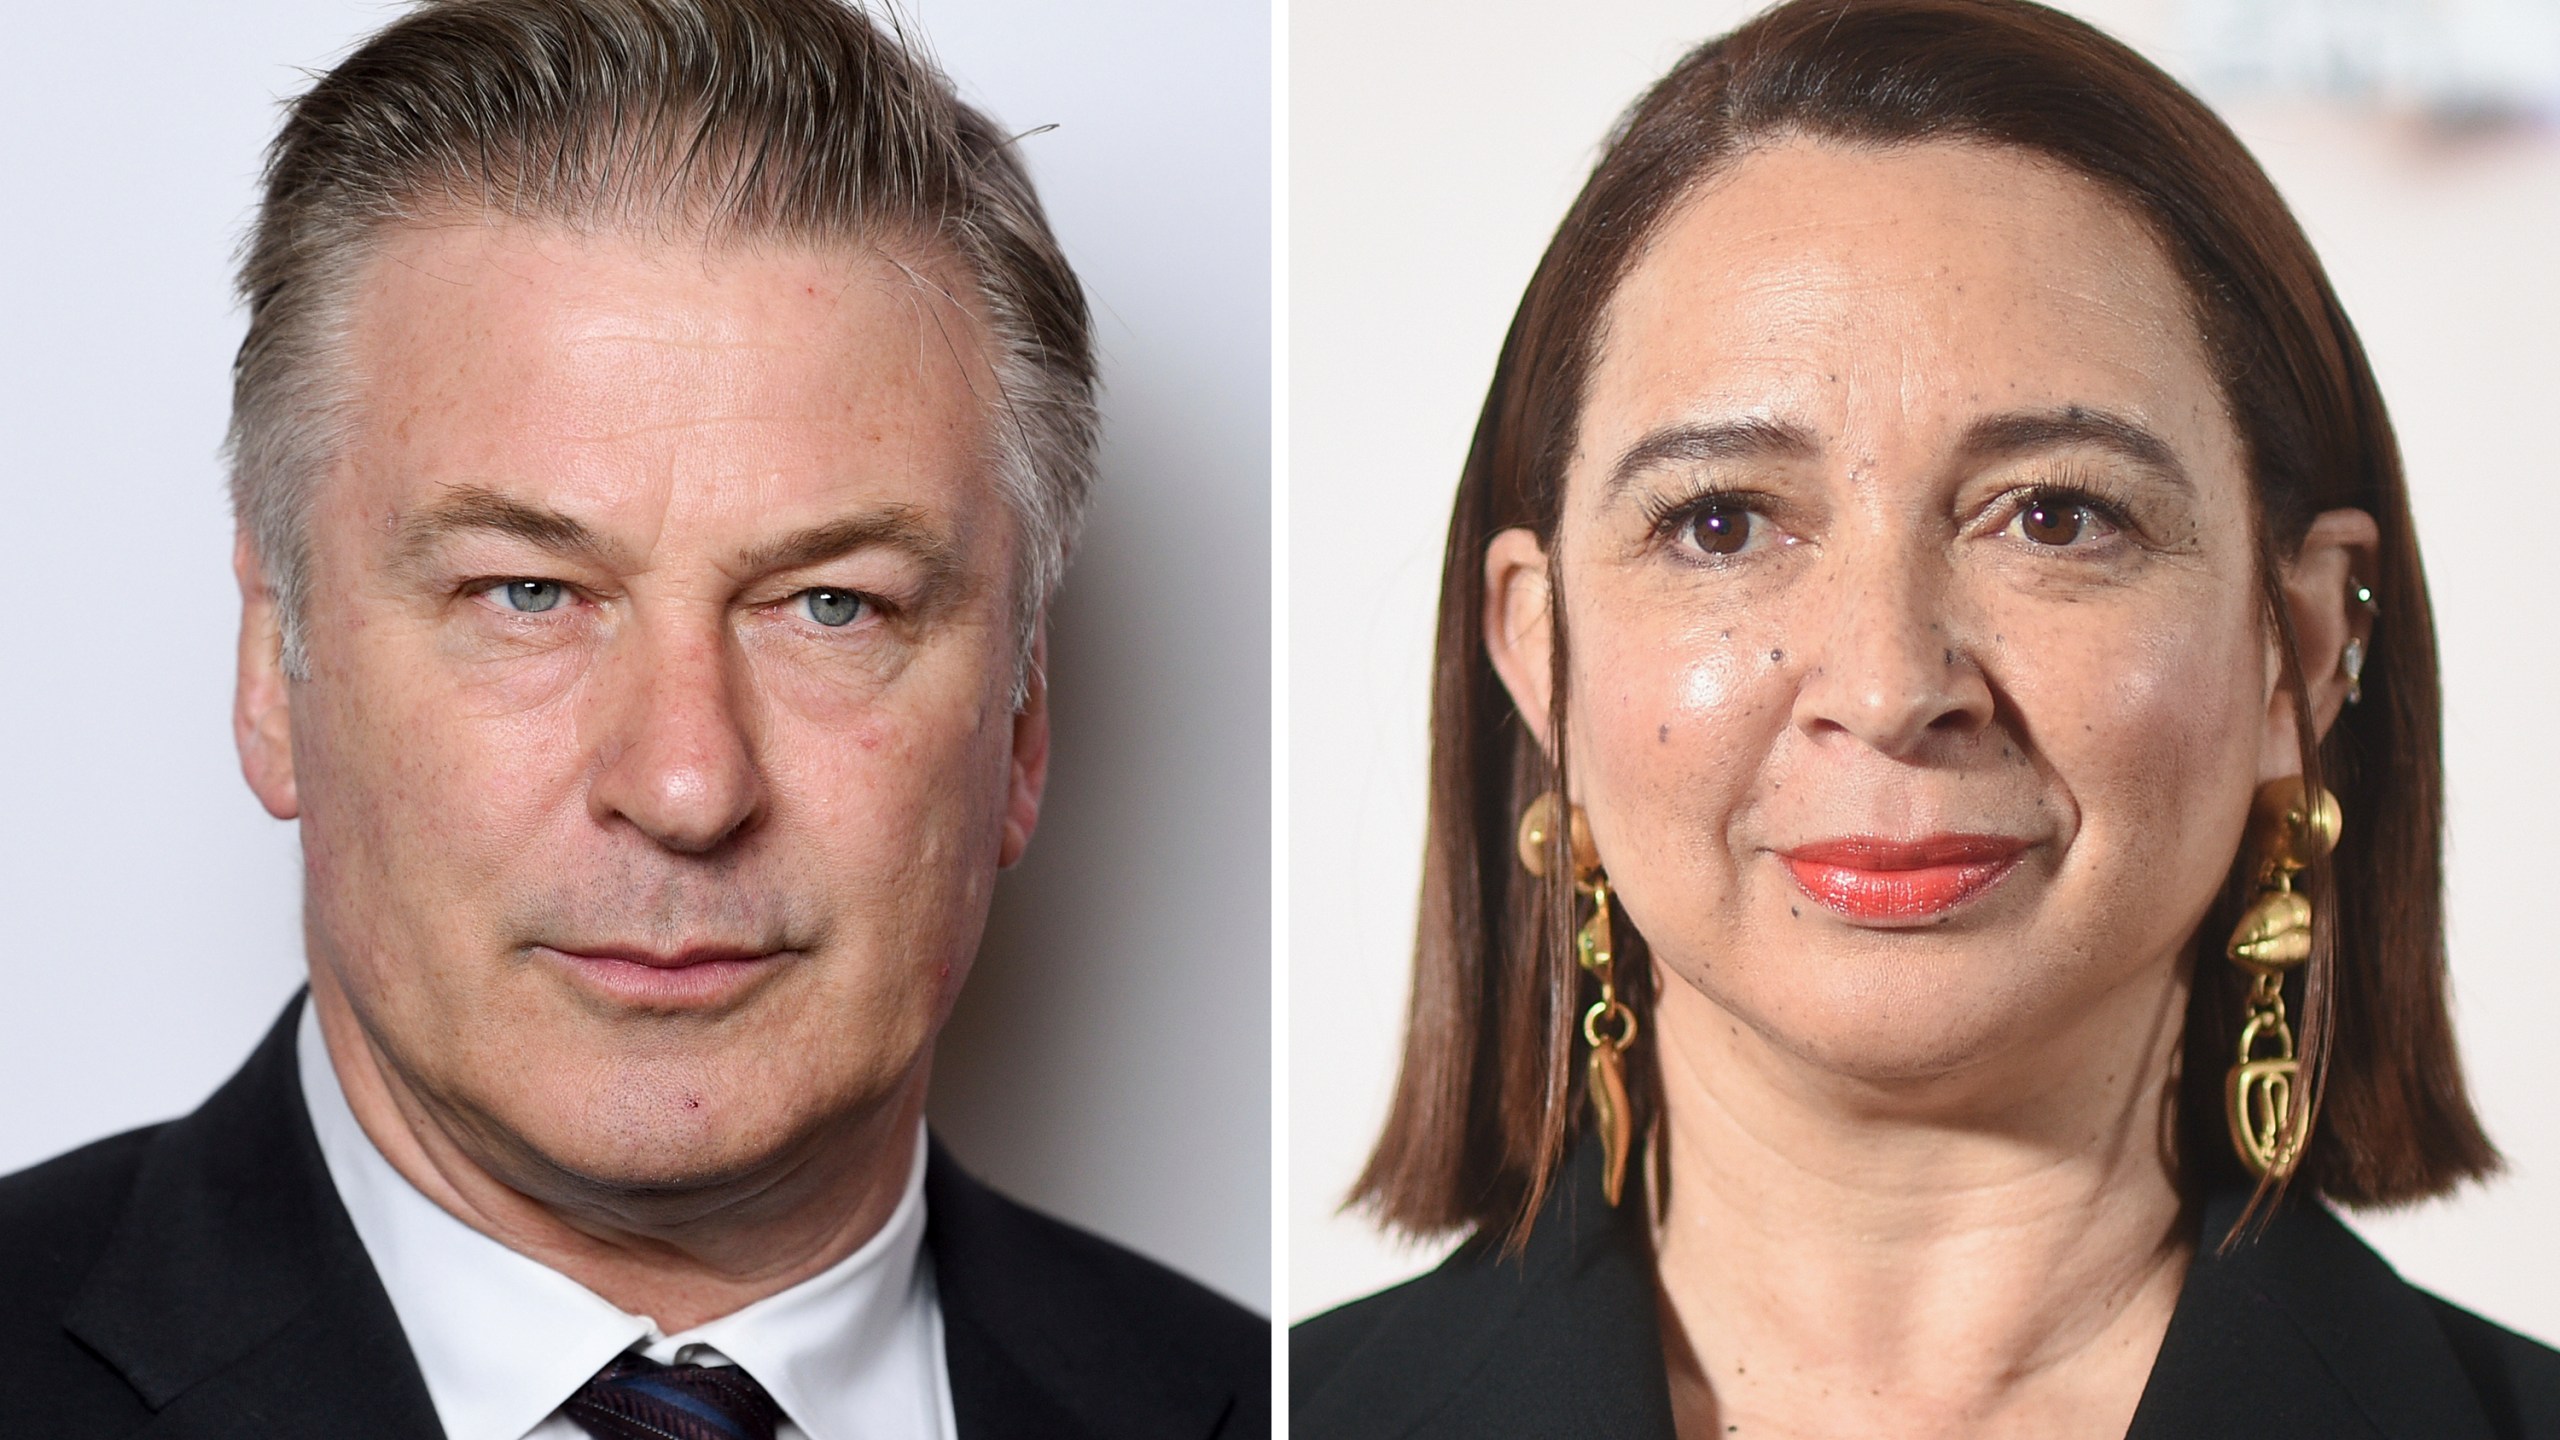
x: 851, y: 1353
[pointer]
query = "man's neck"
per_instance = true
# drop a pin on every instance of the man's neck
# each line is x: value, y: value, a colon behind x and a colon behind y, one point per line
x: 682, y: 1261
x: 1999, y: 1257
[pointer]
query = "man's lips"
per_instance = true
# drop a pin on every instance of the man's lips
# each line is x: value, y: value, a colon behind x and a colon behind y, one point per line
x: 1874, y: 879
x: 663, y: 959
x: 696, y: 975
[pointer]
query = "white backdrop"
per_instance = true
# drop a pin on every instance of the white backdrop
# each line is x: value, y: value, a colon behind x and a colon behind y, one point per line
x: 1111, y: 1059
x: 1432, y: 150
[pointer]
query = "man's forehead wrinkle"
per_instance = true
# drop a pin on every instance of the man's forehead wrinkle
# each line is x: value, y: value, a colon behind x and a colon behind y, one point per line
x: 442, y: 274
x: 608, y: 431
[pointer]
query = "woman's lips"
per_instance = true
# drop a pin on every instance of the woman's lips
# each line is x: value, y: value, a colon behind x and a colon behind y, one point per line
x: 1871, y: 879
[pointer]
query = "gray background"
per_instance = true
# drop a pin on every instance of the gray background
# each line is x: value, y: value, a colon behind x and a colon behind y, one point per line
x: 1111, y: 1058
x: 1433, y: 148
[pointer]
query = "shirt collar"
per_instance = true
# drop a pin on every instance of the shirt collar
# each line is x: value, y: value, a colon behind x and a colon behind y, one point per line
x: 502, y: 1339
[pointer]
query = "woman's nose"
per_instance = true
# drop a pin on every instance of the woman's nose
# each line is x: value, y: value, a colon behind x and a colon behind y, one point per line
x: 1886, y: 665
x: 676, y: 761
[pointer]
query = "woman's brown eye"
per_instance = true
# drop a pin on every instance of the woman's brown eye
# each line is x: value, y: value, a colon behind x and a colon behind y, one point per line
x: 2051, y: 522
x: 1721, y: 529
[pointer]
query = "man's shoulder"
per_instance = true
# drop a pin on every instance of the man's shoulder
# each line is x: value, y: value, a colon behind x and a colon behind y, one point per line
x: 56, y: 1219
x: 1102, y: 1277
x: 1024, y: 1291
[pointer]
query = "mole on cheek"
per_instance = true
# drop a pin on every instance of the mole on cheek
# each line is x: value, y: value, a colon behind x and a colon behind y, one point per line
x: 1663, y: 735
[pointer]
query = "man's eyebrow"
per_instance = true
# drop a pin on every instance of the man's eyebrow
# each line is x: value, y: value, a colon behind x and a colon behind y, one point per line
x: 1694, y: 441
x: 469, y: 509
x: 897, y: 527
x: 2024, y: 432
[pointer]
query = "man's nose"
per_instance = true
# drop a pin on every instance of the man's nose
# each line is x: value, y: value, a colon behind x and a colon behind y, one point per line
x: 1885, y: 663
x: 677, y: 759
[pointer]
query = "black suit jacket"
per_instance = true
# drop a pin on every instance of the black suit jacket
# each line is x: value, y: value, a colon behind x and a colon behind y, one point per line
x: 200, y: 1281
x: 2304, y: 1334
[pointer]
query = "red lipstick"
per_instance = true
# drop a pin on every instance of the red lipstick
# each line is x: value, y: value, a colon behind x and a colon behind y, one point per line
x: 1871, y: 879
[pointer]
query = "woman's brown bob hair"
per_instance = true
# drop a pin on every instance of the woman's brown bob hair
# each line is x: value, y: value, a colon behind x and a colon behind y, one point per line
x: 1488, y: 1094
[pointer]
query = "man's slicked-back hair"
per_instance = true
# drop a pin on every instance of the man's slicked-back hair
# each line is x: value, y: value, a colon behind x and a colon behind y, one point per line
x: 800, y: 120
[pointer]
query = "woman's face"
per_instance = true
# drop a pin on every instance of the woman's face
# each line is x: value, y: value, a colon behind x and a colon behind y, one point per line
x: 1918, y: 683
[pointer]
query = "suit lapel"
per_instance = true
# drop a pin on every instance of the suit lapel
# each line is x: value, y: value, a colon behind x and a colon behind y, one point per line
x: 235, y: 1297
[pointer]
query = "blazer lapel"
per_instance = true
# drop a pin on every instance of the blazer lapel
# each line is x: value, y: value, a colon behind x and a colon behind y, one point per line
x: 235, y: 1297
x: 2302, y: 1332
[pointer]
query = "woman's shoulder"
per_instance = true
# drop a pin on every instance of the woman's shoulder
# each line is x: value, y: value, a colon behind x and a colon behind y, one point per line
x: 2516, y: 1377
x: 2298, y: 1332
x: 1321, y: 1345
x: 2301, y: 1329
x: 1557, y: 1336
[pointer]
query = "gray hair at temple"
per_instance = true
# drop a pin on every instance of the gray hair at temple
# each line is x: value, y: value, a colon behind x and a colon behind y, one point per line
x: 725, y: 119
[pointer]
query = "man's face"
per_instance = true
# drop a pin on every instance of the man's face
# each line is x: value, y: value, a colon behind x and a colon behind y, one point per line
x: 657, y: 752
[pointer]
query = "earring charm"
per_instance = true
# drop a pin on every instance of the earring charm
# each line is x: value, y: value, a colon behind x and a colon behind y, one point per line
x: 2291, y: 825
x: 1609, y: 1026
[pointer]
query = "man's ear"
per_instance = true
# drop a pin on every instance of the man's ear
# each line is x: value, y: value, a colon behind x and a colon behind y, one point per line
x: 1030, y: 765
x: 2338, y: 556
x: 1519, y: 624
x: 262, y: 698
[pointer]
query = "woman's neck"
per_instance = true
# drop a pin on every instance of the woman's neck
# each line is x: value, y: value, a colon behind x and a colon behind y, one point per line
x: 1989, y: 1254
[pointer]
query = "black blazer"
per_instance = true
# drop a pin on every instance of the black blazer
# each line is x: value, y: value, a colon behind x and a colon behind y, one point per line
x: 2303, y: 1335
x: 199, y: 1279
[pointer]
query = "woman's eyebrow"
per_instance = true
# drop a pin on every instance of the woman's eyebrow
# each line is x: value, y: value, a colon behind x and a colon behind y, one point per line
x: 1691, y: 441
x: 2025, y: 432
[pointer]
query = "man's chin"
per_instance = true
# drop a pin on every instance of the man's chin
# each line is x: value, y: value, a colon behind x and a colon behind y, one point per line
x: 633, y: 1171
x: 693, y: 1139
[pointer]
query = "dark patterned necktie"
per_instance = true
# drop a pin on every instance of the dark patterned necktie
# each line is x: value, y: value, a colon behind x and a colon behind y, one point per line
x: 636, y: 1398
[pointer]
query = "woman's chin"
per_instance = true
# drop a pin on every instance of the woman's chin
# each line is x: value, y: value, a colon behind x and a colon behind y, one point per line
x: 1877, y: 1021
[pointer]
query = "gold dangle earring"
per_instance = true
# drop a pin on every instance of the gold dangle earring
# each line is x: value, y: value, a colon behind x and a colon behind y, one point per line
x: 1609, y: 1027
x: 2291, y: 824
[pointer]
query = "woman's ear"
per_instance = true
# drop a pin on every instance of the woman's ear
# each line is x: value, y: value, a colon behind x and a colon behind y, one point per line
x: 2327, y: 589
x: 1519, y: 624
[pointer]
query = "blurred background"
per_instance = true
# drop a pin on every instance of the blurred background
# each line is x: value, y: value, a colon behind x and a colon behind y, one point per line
x: 1434, y: 146
x: 1110, y: 1060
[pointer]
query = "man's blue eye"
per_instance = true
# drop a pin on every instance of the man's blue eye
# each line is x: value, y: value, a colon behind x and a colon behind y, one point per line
x: 532, y: 597
x: 832, y: 607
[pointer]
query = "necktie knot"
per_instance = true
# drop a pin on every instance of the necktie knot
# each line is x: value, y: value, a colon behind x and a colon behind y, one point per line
x: 636, y: 1398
